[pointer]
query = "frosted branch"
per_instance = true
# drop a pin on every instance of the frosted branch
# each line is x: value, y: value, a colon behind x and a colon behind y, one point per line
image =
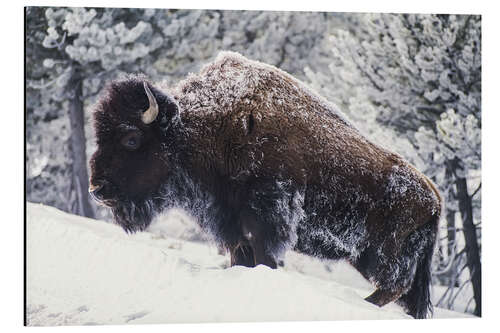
x: 55, y: 44
x: 477, y: 190
x: 41, y: 86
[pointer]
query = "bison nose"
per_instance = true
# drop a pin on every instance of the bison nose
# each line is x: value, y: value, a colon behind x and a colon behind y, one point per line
x: 95, y: 192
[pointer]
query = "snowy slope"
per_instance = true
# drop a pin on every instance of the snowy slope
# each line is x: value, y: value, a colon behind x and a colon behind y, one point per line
x: 84, y: 272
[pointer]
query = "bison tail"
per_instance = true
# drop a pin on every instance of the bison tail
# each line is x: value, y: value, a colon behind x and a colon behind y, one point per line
x: 417, y: 300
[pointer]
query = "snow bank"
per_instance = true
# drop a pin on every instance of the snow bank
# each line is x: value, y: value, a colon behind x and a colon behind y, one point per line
x: 86, y: 272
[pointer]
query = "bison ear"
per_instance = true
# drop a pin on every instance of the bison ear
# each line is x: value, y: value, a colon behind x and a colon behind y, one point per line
x: 169, y: 111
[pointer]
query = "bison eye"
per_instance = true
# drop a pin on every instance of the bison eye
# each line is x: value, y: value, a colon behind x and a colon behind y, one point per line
x: 131, y: 141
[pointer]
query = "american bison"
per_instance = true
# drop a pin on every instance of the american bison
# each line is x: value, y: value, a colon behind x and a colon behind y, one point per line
x: 266, y: 165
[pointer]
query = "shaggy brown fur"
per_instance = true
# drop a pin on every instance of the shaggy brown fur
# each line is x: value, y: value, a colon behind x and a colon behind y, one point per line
x: 267, y: 165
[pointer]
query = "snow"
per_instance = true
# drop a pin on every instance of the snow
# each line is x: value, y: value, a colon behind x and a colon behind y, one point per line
x: 86, y: 272
x: 232, y: 78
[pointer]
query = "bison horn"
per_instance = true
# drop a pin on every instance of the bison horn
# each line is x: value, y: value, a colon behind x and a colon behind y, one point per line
x: 152, y: 112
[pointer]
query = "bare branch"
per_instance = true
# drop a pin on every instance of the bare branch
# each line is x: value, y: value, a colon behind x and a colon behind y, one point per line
x: 57, y: 44
x: 459, y: 290
x: 41, y: 86
x: 449, y: 264
x: 468, y: 303
x: 477, y: 190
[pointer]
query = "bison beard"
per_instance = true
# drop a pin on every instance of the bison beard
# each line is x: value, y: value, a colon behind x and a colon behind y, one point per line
x: 266, y: 165
x: 133, y: 216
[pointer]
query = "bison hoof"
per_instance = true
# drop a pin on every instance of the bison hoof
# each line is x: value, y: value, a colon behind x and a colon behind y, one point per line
x: 243, y: 255
x: 382, y: 297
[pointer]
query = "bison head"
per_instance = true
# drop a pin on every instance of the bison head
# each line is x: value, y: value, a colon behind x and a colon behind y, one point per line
x: 131, y: 122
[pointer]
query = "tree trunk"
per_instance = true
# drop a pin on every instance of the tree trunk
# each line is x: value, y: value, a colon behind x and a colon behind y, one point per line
x: 450, y: 215
x: 451, y: 233
x: 452, y: 248
x: 80, y: 176
x: 447, y: 277
x: 471, y: 244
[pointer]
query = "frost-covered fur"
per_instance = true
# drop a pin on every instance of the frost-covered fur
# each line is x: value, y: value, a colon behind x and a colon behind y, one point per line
x: 266, y: 165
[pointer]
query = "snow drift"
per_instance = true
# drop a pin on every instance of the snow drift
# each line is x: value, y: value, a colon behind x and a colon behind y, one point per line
x: 86, y: 272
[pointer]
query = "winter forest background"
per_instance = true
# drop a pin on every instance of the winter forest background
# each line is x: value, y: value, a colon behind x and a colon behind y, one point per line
x: 410, y: 82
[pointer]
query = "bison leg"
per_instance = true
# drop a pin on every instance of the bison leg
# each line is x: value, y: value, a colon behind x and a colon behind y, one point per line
x: 250, y: 250
x: 370, y: 265
x: 382, y: 297
x: 251, y: 247
x: 243, y: 255
x: 251, y: 254
x: 401, y: 272
x: 267, y: 222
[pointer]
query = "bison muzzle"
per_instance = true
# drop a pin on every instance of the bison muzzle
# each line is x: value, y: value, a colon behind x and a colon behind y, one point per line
x: 264, y: 164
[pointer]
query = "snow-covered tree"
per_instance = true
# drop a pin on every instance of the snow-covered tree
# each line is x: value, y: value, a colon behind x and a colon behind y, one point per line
x: 419, y: 78
x: 71, y: 51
